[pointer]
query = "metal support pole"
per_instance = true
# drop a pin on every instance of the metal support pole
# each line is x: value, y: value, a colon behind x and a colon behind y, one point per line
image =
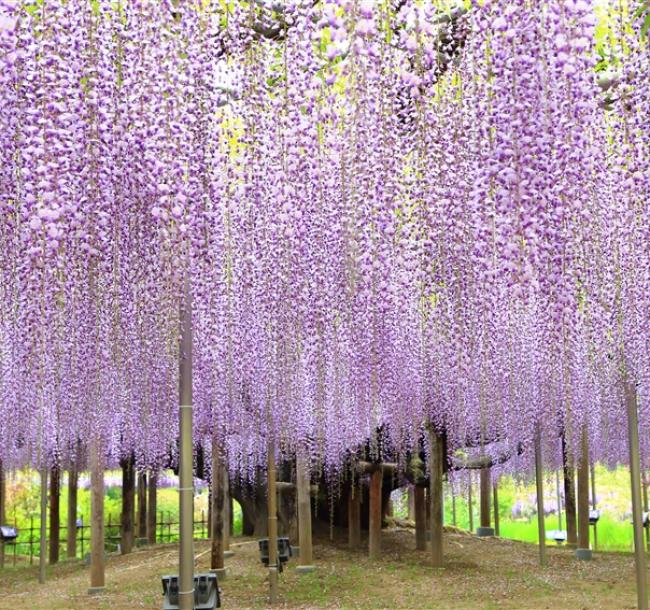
x: 186, y: 483
x: 539, y: 478
x: 43, y: 547
x: 272, y: 500
x: 635, y: 476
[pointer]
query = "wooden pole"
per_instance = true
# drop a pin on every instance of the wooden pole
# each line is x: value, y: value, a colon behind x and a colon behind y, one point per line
x: 142, y: 505
x: 217, y: 563
x: 97, y: 576
x: 374, y: 521
x: 435, y: 492
x: 593, y: 503
x: 272, y: 500
x: 354, y: 518
x: 152, y: 508
x: 583, y: 551
x: 410, y: 503
x: 539, y: 479
x: 453, y: 506
x: 645, y: 508
x: 419, y: 508
x: 128, y: 506
x: 55, y: 515
x: 71, y: 531
x: 43, y: 536
x: 559, y: 500
x: 186, y: 482
x: 496, y: 508
x: 470, y: 508
x: 485, y: 485
x: 570, y: 511
x: 635, y: 483
x: 305, y: 559
x: 227, y: 517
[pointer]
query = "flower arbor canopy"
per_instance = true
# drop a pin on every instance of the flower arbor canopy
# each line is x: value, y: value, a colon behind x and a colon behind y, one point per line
x: 392, y: 213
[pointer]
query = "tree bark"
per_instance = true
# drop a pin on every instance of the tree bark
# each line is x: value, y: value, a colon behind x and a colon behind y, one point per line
x: 354, y: 518
x: 217, y: 513
x: 569, y: 496
x: 485, y: 480
x: 128, y: 506
x: 420, y: 514
x: 436, y: 457
x: 583, y: 494
x: 304, y: 510
x: 152, y: 508
x: 142, y: 505
x: 71, y: 532
x: 495, y: 498
x: 97, y: 575
x: 374, y: 526
x: 55, y: 515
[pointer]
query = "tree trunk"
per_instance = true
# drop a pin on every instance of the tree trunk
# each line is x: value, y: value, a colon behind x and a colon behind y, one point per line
x: 217, y: 513
x: 305, y: 558
x: 496, y: 508
x: 71, y: 532
x: 128, y: 506
x: 55, y: 523
x: 435, y: 488
x: 485, y: 484
x: 152, y: 508
x: 142, y: 505
x: 420, y: 514
x: 354, y: 518
x: 374, y: 525
x: 583, y: 551
x: 3, y: 493
x: 97, y: 577
x: 569, y: 496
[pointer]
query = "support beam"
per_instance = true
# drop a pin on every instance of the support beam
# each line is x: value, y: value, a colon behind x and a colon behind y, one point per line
x: 217, y: 563
x: 71, y: 531
x: 97, y: 568
x: 436, y: 448
x: 305, y: 558
x: 635, y: 483
x: 486, y: 528
x: 43, y: 536
x: 374, y: 519
x: 420, y: 513
x: 127, y: 533
x: 142, y: 506
x: 272, y: 500
x: 570, y: 511
x: 55, y: 514
x: 152, y: 507
x: 354, y: 518
x: 539, y: 479
x: 186, y: 482
x: 583, y: 551
x: 495, y: 497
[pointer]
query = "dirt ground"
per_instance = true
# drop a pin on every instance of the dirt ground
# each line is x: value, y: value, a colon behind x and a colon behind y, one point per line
x: 480, y: 573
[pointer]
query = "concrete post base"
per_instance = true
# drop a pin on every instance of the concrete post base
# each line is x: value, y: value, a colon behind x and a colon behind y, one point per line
x: 228, y: 553
x: 305, y: 569
x: 584, y: 554
x: 96, y: 590
x: 484, y: 532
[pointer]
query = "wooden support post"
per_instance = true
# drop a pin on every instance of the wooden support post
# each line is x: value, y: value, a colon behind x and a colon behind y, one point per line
x: 227, y: 517
x: 495, y: 497
x: 435, y: 491
x: 559, y: 500
x: 97, y: 577
x: 635, y: 483
x: 539, y: 479
x: 645, y: 508
x: 410, y: 503
x: 354, y: 518
x: 272, y: 499
x: 374, y: 520
x: 583, y: 551
x: 570, y: 512
x: 419, y: 508
x: 128, y: 506
x: 217, y: 563
x: 592, y: 470
x: 43, y: 535
x: 142, y: 505
x: 470, y: 508
x: 305, y: 558
x: 485, y: 484
x: 55, y: 515
x: 71, y: 531
x: 152, y: 508
x: 454, y: 519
